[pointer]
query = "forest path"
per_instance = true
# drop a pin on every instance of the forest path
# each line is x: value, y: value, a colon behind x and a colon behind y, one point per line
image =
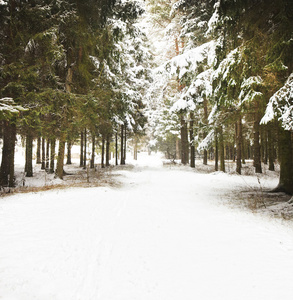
x: 161, y: 235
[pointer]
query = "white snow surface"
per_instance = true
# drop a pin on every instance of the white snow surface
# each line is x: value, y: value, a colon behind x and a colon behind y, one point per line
x: 162, y: 235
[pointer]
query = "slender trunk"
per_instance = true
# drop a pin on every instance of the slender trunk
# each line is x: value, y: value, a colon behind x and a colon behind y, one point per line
x: 122, y: 161
x: 39, y: 161
x: 184, y: 141
x: 68, y: 161
x: 271, y: 149
x: 125, y: 143
x: 108, y: 151
x: 52, y: 156
x: 238, y: 144
x: 116, y: 149
x: 135, y: 149
x: 264, y: 144
x: 178, y: 153
x: 93, y: 151
x: 103, y: 153
x: 192, y: 147
x: 29, y: 156
x: 11, y: 182
x: 43, y: 167
x: 205, y: 152
x: 47, y: 154
x: 221, y: 149
x: 257, y: 153
x: 62, y: 141
x: 85, y: 149
x: 81, y: 150
x: 216, y: 151
x: 243, y: 151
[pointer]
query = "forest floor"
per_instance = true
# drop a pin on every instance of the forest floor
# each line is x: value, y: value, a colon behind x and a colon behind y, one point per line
x: 253, y: 191
x: 143, y: 231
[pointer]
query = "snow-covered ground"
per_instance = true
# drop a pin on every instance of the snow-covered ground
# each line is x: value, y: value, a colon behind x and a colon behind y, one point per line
x: 163, y: 234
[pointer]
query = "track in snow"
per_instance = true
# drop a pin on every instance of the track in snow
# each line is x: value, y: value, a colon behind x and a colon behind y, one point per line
x: 163, y: 235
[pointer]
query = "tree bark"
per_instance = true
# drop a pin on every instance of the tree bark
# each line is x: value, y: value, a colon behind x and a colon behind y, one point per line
x: 125, y: 143
x: 81, y: 150
x: 122, y: 161
x: 238, y: 144
x: 184, y: 141
x: 39, y: 161
x: 7, y: 163
x: 52, y: 155
x: 216, y: 151
x: 85, y: 148
x: 205, y: 152
x: 135, y: 149
x: 286, y: 162
x: 47, y: 154
x: 11, y: 182
x: 68, y: 161
x: 221, y: 149
x: 257, y: 153
x: 108, y: 151
x: 60, y: 159
x: 29, y: 156
x: 93, y: 151
x: 271, y: 149
x: 192, y: 147
x: 116, y: 149
x: 43, y: 167
x: 103, y: 153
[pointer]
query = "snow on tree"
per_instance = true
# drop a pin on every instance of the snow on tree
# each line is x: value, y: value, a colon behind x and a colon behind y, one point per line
x: 9, y: 108
x: 281, y: 106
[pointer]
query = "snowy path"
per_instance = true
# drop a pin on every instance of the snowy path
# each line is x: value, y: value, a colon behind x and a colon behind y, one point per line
x: 163, y: 235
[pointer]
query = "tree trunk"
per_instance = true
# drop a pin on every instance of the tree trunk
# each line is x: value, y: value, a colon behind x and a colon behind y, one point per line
x: 135, y: 149
x: 125, y: 143
x: 216, y: 151
x: 39, y: 161
x: 81, y: 150
x: 85, y: 149
x: 68, y: 161
x: 257, y: 153
x: 205, y: 152
x: 271, y: 149
x: 221, y: 149
x: 7, y: 164
x: 93, y: 151
x: 29, y: 156
x: 62, y: 141
x: 178, y: 152
x: 43, y: 167
x: 60, y: 159
x: 108, y: 151
x: 52, y: 158
x: 264, y: 144
x: 184, y: 141
x: 103, y: 153
x: 238, y: 144
x: 47, y: 154
x: 116, y: 149
x: 286, y: 162
x: 122, y: 161
x: 192, y: 147
x: 11, y: 182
